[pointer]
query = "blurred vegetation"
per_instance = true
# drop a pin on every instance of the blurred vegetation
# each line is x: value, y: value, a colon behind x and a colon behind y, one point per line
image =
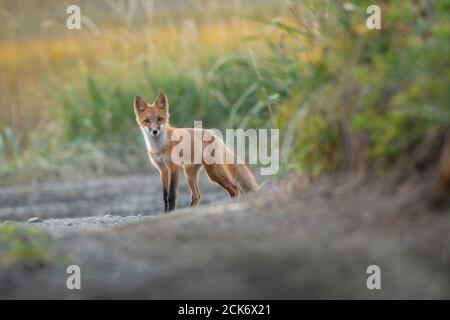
x: 24, y: 246
x: 310, y: 68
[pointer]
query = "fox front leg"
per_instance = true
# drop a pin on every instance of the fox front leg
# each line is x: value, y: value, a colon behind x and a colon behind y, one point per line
x: 173, y: 189
x: 164, y: 174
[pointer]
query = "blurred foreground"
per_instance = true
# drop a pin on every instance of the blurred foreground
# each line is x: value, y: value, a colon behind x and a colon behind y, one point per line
x: 293, y: 239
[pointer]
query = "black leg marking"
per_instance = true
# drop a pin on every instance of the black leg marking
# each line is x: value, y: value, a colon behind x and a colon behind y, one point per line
x: 172, y: 197
x: 165, y: 200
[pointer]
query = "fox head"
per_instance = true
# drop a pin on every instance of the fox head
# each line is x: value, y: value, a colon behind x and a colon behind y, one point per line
x: 152, y: 118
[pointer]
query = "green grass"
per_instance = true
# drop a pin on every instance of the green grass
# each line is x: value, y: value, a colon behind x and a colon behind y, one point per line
x: 24, y: 246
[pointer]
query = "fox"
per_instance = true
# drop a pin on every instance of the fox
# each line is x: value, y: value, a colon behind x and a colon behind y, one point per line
x: 161, y: 138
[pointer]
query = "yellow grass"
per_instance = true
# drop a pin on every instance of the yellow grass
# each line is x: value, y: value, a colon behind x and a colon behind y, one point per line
x: 28, y: 66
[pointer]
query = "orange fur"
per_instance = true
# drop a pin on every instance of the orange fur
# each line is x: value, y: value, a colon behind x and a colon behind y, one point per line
x: 153, y: 119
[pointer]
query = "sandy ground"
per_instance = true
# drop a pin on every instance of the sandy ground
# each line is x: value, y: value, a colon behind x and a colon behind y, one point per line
x: 293, y: 239
x: 117, y: 196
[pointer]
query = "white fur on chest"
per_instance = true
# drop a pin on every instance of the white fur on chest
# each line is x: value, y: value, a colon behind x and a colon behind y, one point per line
x: 155, y: 145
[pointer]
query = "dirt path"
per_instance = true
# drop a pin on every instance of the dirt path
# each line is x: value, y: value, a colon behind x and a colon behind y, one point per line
x: 95, y: 203
x: 290, y: 240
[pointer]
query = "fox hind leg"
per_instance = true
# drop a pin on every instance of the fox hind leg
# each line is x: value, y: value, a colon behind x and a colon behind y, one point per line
x: 217, y: 174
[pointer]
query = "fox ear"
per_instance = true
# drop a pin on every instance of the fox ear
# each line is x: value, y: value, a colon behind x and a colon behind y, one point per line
x: 139, y: 104
x: 161, y: 101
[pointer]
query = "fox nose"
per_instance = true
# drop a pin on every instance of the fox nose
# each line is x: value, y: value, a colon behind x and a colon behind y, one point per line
x: 154, y: 132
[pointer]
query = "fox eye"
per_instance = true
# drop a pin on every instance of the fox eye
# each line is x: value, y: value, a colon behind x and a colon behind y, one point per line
x: 160, y: 119
x: 146, y: 121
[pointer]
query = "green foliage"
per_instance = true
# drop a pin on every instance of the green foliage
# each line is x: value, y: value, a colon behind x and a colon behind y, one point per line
x: 317, y: 146
x: 389, y: 85
x: 311, y: 71
x: 101, y: 109
x: 390, y: 136
x: 24, y: 246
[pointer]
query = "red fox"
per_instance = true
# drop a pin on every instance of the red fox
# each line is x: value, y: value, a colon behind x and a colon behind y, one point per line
x: 161, y: 138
